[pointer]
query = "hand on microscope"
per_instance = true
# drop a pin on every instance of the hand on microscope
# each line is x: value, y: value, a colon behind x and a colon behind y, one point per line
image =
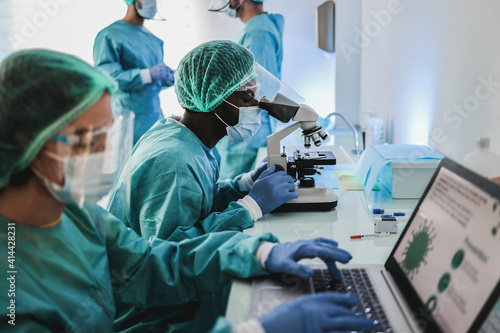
x: 259, y: 170
x: 272, y: 189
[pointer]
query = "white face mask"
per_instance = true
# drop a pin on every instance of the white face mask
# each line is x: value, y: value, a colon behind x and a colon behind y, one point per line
x: 248, y: 123
x: 87, y: 178
x: 148, y: 10
x: 231, y: 12
x: 223, y: 6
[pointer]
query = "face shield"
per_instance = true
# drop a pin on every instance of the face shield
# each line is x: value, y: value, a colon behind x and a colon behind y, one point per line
x: 223, y: 6
x: 86, y: 161
x: 284, y: 104
x: 280, y: 101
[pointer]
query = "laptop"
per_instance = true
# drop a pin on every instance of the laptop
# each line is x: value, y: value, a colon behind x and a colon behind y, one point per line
x: 443, y: 274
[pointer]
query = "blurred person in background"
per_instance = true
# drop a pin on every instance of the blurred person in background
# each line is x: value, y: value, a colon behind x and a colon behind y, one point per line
x: 263, y: 36
x: 133, y: 56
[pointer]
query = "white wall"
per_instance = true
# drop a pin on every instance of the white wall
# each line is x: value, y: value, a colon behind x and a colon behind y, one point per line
x: 348, y: 60
x: 307, y: 69
x: 64, y: 25
x: 423, y: 67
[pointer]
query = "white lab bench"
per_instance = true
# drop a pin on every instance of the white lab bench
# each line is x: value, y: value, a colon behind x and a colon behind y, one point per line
x: 352, y: 216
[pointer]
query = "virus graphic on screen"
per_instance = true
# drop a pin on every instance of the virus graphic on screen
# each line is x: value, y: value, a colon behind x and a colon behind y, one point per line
x: 417, y: 249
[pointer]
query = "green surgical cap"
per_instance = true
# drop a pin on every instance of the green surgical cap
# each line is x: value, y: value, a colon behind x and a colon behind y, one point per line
x: 211, y: 72
x: 129, y: 2
x: 41, y: 92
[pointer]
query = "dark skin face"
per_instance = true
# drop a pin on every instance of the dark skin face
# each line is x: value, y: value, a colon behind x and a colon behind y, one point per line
x: 247, y: 10
x: 208, y: 128
x: 132, y: 16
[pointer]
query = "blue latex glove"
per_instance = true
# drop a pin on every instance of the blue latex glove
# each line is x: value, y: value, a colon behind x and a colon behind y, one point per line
x: 162, y: 72
x: 272, y: 189
x: 259, y: 170
x: 283, y: 257
x: 316, y: 313
x: 169, y: 80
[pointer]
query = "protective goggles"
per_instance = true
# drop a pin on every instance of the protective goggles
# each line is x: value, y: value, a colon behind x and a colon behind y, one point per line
x: 94, y: 139
x: 252, y: 88
x: 86, y: 139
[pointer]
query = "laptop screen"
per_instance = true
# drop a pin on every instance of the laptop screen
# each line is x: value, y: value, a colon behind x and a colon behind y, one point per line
x: 449, y: 252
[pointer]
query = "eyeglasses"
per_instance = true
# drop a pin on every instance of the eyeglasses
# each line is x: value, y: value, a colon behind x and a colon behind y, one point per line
x: 251, y: 90
x: 85, y: 139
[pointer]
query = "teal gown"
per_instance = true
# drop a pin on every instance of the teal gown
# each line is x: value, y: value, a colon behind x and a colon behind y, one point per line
x: 175, y: 195
x: 174, y: 188
x: 69, y: 276
x: 122, y: 50
x: 263, y: 35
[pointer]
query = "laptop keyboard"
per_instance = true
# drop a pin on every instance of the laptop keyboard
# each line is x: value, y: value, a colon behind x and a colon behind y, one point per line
x: 492, y: 323
x: 355, y: 281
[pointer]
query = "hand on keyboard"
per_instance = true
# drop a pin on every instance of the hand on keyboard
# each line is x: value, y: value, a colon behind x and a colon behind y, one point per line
x: 283, y: 257
x: 317, y: 313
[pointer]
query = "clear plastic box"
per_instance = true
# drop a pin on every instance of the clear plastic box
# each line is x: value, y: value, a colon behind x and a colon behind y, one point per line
x: 409, y: 179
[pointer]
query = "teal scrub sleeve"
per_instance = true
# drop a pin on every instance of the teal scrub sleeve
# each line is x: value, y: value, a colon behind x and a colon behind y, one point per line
x: 176, y: 200
x: 264, y: 46
x: 227, y: 192
x: 23, y: 324
x: 107, y: 58
x: 154, y: 272
x: 234, y: 218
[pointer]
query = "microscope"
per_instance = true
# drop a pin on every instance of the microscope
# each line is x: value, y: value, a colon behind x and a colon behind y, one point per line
x: 313, y: 196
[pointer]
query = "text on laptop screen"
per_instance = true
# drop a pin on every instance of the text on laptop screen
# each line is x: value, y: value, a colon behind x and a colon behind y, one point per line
x: 451, y: 251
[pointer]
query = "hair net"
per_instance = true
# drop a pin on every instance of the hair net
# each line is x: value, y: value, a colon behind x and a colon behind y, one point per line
x: 211, y: 72
x: 41, y: 92
x: 129, y: 2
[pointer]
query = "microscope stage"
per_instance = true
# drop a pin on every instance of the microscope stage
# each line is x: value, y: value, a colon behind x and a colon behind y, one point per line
x: 318, y: 198
x: 310, y: 159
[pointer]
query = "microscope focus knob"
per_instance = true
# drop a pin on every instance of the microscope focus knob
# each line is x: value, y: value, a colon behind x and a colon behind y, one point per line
x: 307, y: 182
x: 278, y: 167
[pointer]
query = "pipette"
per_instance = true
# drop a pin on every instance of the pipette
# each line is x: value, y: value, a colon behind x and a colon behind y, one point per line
x: 371, y: 235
